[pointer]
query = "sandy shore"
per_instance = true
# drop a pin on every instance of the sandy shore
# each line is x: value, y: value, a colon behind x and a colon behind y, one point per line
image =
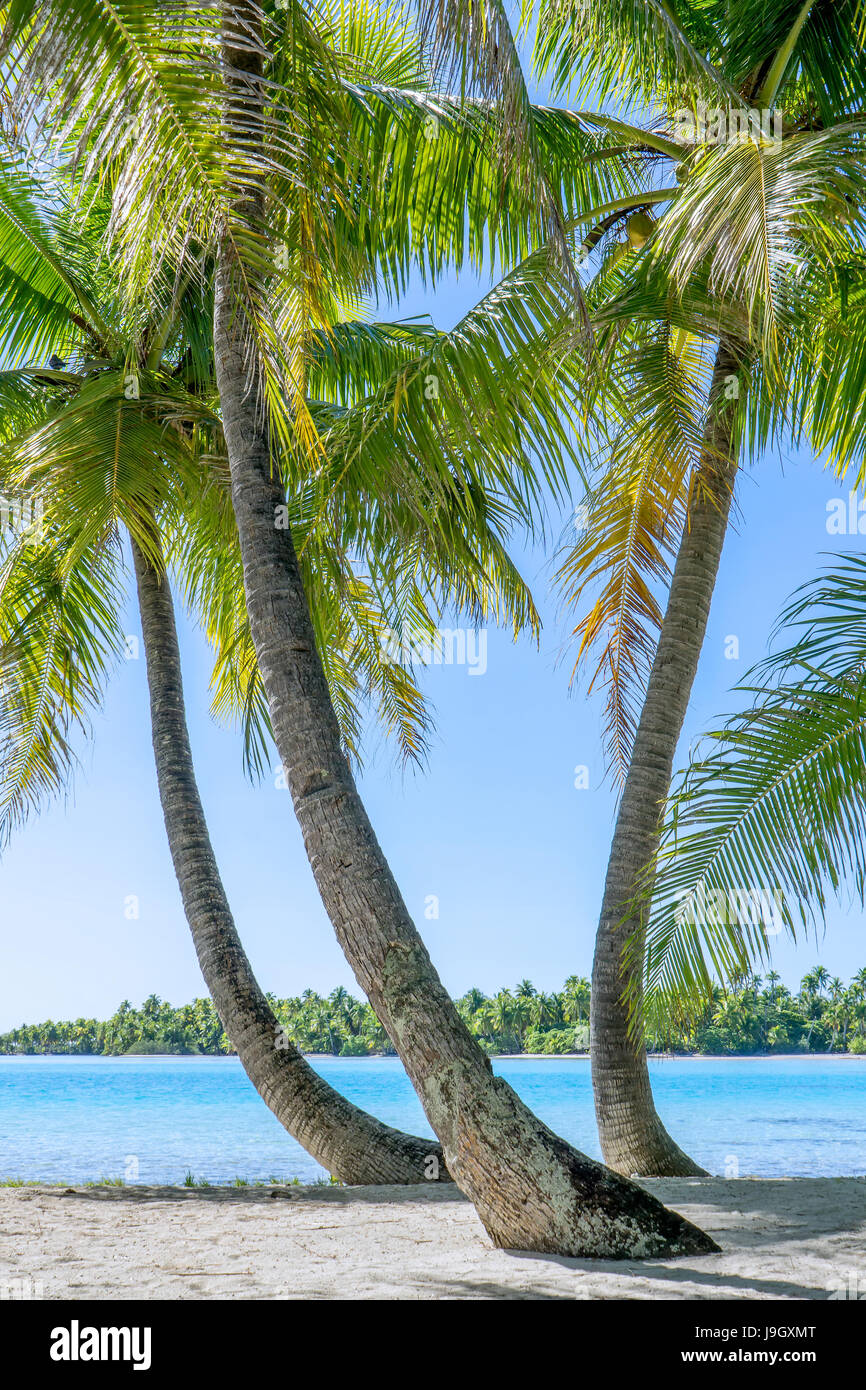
x: 798, y: 1238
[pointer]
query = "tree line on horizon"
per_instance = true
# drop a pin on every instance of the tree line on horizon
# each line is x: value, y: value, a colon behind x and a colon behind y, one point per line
x: 761, y: 1016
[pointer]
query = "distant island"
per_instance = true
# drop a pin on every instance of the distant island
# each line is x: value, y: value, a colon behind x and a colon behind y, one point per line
x: 761, y: 1017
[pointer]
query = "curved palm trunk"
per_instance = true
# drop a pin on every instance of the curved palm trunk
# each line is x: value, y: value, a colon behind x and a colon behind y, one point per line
x: 633, y: 1138
x: 531, y: 1189
x: 351, y: 1144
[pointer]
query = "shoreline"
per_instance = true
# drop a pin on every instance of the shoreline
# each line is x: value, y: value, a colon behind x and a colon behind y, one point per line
x: 494, y: 1056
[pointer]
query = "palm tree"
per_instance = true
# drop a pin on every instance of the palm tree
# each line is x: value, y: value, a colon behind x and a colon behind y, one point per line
x: 542, y: 1008
x: 473, y: 999
x: 577, y: 998
x: 809, y: 1002
x: 821, y: 976
x: 841, y: 1015
x: 504, y: 1014
x: 531, y: 1189
x: 50, y: 642
x: 718, y: 263
x: 352, y: 1145
x: 729, y: 1015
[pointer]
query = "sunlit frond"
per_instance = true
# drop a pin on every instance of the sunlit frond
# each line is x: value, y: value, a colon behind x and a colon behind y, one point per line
x: 760, y: 215
x: 770, y: 817
x: 638, y: 51
x: 647, y: 436
x: 59, y: 640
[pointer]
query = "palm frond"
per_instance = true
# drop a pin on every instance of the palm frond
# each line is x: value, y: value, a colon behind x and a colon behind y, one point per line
x: 46, y: 299
x: 59, y: 640
x: 474, y: 42
x: 648, y: 436
x: 771, y: 817
x: 641, y: 52
x: 758, y: 215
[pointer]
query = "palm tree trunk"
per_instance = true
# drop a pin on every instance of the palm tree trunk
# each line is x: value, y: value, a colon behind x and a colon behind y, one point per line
x: 531, y: 1189
x: 351, y: 1144
x: 633, y: 1138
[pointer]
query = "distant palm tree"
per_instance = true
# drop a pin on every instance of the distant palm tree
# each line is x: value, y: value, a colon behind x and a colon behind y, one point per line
x: 577, y: 994
x: 822, y: 978
x: 474, y: 998
x: 543, y: 1008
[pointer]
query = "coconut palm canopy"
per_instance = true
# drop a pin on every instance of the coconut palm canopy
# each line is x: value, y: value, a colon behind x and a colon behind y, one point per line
x: 408, y: 502
x: 748, y: 235
x: 751, y: 141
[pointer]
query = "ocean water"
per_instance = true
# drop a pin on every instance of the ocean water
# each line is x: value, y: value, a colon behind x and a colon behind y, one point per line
x: 153, y: 1119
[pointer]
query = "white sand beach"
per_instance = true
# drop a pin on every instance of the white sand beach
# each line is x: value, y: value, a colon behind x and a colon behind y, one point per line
x: 796, y: 1238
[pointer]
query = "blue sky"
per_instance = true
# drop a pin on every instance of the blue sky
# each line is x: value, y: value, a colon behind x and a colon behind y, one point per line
x: 494, y: 829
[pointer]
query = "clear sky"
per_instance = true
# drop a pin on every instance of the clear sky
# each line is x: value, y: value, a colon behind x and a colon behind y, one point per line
x: 494, y: 829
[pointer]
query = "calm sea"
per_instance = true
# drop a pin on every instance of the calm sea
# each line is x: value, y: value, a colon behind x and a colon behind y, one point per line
x: 152, y: 1120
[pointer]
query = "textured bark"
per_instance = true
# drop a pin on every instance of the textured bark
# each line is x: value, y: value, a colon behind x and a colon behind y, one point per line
x: 633, y: 1138
x: 351, y: 1144
x: 530, y: 1188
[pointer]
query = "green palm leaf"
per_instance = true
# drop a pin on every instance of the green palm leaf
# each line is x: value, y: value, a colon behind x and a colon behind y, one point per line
x: 772, y: 817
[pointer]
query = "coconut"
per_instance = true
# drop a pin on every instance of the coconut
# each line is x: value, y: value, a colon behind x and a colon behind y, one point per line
x: 639, y: 228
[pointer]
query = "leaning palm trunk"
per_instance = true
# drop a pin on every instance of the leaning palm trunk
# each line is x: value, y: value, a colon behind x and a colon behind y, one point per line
x: 351, y: 1144
x: 633, y: 1138
x: 530, y: 1188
